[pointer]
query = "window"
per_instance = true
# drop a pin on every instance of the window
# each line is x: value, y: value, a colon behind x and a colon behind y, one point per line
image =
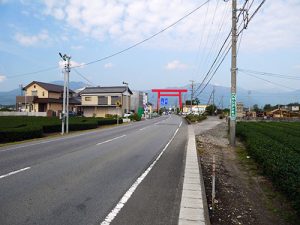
x: 34, y: 86
x: 43, y: 93
x: 34, y: 93
x: 102, y: 100
x: 88, y: 99
x: 114, y: 99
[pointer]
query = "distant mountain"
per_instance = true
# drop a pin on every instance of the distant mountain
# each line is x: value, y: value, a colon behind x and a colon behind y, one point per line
x: 74, y: 85
x: 222, y: 96
x: 9, y: 97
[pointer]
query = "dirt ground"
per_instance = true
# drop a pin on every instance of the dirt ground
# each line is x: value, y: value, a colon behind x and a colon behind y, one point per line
x: 243, y: 195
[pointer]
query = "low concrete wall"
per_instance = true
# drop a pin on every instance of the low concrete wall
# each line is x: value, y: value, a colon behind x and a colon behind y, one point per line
x: 23, y: 114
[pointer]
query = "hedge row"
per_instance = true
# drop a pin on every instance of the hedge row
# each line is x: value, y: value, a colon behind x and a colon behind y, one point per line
x: 23, y: 128
x: 195, y: 118
x: 20, y: 134
x: 279, y: 161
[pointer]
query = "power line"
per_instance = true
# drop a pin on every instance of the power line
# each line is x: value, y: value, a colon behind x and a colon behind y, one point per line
x: 34, y: 72
x: 217, y: 58
x: 119, y: 52
x: 82, y: 76
x: 147, y: 39
x: 283, y: 76
x: 271, y: 82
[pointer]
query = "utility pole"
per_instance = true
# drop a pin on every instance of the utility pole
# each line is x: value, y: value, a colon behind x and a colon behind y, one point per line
x: 65, y: 113
x: 192, y: 94
x: 233, y: 75
x: 213, y: 100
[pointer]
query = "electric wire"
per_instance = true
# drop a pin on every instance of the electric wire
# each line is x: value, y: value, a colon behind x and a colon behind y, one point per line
x: 146, y: 39
x: 283, y: 76
x: 208, y: 73
x: 271, y: 82
x: 83, y: 77
x: 119, y: 52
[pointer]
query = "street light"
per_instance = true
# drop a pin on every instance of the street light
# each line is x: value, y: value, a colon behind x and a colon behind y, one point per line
x: 127, y: 102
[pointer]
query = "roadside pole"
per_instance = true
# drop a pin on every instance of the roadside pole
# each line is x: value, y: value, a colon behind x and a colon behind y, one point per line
x: 233, y: 75
x: 65, y: 111
x: 64, y: 106
x: 68, y: 77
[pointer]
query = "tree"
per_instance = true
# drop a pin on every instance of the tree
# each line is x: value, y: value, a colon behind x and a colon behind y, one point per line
x: 256, y: 108
x: 211, y: 109
x: 267, y: 107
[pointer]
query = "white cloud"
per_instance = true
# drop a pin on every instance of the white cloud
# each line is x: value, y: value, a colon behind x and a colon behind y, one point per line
x: 2, y: 78
x: 108, y: 65
x: 175, y: 65
x: 276, y: 25
x: 30, y: 40
x: 77, y: 47
x: 73, y: 64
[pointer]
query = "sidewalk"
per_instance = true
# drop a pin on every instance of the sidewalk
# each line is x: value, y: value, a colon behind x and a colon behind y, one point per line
x: 193, y: 209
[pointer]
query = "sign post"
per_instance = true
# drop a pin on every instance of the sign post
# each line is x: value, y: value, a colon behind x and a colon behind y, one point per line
x: 233, y: 107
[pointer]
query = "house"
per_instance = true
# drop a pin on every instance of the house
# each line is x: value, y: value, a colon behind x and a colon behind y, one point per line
x: 278, y: 113
x: 44, y: 97
x: 100, y: 101
x: 240, y: 113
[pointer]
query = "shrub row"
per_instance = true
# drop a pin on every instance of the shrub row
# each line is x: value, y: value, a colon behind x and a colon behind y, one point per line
x: 278, y: 161
x: 20, y: 134
x: 22, y: 128
x: 195, y: 118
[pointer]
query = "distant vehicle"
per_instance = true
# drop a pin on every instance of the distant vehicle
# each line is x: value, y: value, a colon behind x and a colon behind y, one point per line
x: 71, y: 113
x: 128, y: 114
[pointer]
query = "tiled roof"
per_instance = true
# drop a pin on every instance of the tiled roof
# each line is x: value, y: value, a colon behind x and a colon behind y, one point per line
x: 113, y: 89
x: 49, y: 87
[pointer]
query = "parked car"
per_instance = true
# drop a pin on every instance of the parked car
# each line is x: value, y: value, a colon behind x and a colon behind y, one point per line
x: 127, y: 114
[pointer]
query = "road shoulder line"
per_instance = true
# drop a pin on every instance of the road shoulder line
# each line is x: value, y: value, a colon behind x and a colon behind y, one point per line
x: 114, y: 212
x: 192, y: 202
x: 14, y: 172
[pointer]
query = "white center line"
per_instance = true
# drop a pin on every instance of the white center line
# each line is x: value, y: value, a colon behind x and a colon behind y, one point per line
x: 180, y: 124
x: 14, y: 172
x: 143, y: 128
x: 110, y: 217
x: 111, y: 140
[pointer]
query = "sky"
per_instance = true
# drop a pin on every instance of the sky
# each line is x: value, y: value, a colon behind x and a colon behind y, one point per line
x: 33, y: 33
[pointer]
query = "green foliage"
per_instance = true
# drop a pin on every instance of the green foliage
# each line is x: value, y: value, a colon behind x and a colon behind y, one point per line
x: 20, y: 133
x: 17, y: 128
x: 211, y: 110
x: 276, y: 148
x: 195, y: 118
x: 135, y: 117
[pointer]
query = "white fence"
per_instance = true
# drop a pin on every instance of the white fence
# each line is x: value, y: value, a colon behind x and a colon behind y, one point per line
x: 23, y: 114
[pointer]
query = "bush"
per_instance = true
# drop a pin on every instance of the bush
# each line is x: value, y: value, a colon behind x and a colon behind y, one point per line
x: 191, y: 118
x: 135, y: 117
x: 20, y: 134
x: 109, y: 121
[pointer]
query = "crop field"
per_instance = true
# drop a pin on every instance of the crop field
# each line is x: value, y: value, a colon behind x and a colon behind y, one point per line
x: 17, y: 128
x: 275, y: 146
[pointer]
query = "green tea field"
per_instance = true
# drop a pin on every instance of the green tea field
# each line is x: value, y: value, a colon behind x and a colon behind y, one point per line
x: 275, y: 146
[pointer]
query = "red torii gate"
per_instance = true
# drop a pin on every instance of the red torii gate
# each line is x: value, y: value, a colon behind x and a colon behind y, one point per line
x: 169, y: 92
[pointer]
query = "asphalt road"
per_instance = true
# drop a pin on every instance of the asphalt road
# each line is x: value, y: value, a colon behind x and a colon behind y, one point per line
x: 79, y: 179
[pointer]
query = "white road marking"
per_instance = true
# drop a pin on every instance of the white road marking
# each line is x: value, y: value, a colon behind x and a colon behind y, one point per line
x: 110, y: 217
x: 157, y: 123
x: 111, y: 140
x: 143, y: 128
x: 14, y: 172
x: 180, y: 124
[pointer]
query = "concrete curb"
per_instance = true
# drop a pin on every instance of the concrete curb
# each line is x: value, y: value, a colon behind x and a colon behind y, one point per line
x: 193, y: 199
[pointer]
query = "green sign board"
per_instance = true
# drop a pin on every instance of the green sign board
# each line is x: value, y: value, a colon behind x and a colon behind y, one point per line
x: 233, y: 106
